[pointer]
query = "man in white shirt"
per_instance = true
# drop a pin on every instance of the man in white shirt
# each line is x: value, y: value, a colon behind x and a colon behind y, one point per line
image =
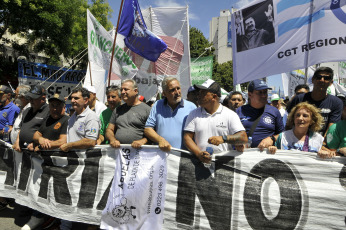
x: 94, y: 104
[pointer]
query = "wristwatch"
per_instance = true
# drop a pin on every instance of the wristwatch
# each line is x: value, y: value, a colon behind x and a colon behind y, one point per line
x: 224, y: 138
x: 273, y: 139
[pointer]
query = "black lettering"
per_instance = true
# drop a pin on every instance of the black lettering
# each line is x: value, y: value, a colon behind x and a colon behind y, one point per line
x: 7, y: 164
x: 67, y: 76
x: 24, y: 170
x: 214, y: 193
x: 33, y: 71
x: 304, y: 48
x: 319, y: 43
x: 51, y: 90
x: 290, y: 192
x: 295, y: 50
x: 45, y: 73
x: 102, y: 204
x: 26, y: 68
x: 137, y: 79
x: 311, y: 45
x: 342, y: 40
x: 59, y: 173
x: 58, y: 89
x: 333, y: 41
x: 89, y: 178
x: 74, y: 76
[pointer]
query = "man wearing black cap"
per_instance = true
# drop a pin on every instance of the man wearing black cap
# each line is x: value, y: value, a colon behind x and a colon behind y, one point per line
x: 8, y: 110
x: 33, y: 117
x: 52, y: 132
x: 212, y: 124
x: 263, y: 123
x: 330, y: 106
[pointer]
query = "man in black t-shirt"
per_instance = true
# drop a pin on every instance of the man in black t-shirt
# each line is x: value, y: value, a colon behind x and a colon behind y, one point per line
x: 331, y: 107
x: 32, y: 117
x: 52, y: 132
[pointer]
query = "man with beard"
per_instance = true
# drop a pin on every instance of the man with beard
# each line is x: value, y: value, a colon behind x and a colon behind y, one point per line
x: 263, y: 123
x: 167, y: 117
x: 8, y: 110
x: 126, y: 125
x: 331, y: 107
x: 113, y: 98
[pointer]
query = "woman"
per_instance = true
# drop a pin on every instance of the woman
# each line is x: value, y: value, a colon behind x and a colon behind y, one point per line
x: 305, y: 121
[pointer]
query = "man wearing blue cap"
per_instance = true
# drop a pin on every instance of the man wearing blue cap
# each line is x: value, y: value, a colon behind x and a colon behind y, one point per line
x: 262, y: 122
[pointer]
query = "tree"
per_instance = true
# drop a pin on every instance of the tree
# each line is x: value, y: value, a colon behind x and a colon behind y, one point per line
x: 198, y: 44
x: 223, y: 74
x: 56, y: 27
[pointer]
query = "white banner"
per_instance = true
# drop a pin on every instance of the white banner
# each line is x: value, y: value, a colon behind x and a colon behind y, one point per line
x: 136, y: 199
x: 284, y: 35
x: 253, y: 190
x: 172, y: 26
x: 100, y: 44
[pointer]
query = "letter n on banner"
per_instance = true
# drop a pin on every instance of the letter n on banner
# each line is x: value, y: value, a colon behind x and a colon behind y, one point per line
x: 213, y: 191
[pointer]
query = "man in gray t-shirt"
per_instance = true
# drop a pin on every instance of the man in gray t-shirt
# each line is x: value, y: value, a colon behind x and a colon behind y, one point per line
x: 127, y: 123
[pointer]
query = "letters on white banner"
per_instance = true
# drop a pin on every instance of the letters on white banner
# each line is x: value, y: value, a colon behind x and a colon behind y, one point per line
x: 253, y: 190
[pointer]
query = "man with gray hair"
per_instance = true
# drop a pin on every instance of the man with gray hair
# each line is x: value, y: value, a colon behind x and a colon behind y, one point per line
x: 21, y: 91
x: 113, y: 98
x: 127, y: 122
x: 167, y: 117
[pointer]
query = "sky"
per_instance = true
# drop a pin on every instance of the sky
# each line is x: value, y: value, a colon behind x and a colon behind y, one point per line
x: 200, y: 13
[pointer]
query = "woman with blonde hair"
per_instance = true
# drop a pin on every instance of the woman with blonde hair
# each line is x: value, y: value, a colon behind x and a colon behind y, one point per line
x: 304, y: 122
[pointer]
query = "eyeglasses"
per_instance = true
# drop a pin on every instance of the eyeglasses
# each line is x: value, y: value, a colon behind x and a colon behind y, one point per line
x: 325, y: 77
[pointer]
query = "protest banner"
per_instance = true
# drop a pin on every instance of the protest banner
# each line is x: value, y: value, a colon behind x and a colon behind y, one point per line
x: 100, y: 44
x: 253, y: 190
x: 284, y: 35
x: 30, y: 73
x: 201, y: 69
x: 172, y: 26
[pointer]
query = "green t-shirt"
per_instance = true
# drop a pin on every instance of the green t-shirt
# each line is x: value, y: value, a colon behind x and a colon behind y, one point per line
x: 104, y: 118
x: 336, y: 135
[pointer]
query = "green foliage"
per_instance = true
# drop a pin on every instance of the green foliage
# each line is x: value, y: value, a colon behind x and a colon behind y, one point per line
x: 56, y: 27
x: 223, y: 74
x: 198, y: 44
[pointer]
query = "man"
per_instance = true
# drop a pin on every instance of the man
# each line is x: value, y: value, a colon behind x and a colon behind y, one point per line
x: 84, y: 125
x: 8, y: 110
x: 235, y: 100
x: 50, y: 135
x: 32, y: 117
x: 167, y: 117
x: 263, y: 119
x: 302, y: 88
x: 212, y: 123
x: 53, y: 131
x: 192, y: 95
x: 113, y: 98
x: 331, y: 107
x: 253, y: 37
x: 127, y: 122
x: 336, y: 135
x: 94, y: 104
x: 275, y: 101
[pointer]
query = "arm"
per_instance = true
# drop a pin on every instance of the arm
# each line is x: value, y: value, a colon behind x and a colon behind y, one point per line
x: 152, y: 135
x: 16, y: 144
x: 138, y: 143
x: 100, y: 139
x: 191, y: 145
x: 267, y: 142
x: 84, y: 143
x: 111, y: 137
x: 235, y: 139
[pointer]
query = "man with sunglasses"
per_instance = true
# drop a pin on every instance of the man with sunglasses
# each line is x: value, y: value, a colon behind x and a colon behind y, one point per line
x: 331, y: 107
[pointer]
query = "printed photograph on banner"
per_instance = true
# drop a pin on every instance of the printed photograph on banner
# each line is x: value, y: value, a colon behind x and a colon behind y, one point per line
x: 254, y: 26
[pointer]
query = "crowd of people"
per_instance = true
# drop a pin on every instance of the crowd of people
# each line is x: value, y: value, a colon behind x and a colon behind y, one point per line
x: 202, y: 123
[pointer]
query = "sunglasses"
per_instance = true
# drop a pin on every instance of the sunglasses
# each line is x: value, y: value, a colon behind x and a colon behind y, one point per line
x: 326, y: 78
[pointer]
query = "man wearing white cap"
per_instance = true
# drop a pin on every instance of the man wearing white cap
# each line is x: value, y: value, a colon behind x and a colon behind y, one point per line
x: 94, y: 104
x: 275, y: 101
x: 212, y: 123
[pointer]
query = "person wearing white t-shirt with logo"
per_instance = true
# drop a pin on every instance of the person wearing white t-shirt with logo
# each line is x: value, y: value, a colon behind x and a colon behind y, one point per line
x: 212, y: 124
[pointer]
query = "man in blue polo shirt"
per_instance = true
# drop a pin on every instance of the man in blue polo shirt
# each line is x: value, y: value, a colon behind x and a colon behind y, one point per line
x: 167, y: 117
x: 270, y: 123
x: 8, y: 110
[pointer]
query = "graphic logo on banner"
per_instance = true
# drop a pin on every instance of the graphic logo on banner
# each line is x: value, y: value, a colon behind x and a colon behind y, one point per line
x: 122, y: 213
x: 257, y: 22
x: 337, y: 11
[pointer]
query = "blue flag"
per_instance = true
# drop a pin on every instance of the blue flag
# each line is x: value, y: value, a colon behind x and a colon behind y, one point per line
x: 138, y: 38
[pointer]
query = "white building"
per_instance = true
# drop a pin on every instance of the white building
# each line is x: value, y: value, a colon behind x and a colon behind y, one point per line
x: 218, y: 35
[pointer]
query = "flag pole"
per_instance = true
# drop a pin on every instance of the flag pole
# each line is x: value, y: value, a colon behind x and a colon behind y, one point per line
x: 115, y: 38
x: 308, y: 41
x: 91, y: 79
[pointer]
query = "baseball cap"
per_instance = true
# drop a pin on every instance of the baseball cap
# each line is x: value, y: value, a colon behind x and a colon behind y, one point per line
x: 57, y: 97
x: 211, y: 86
x: 191, y: 89
x: 90, y: 88
x: 5, y: 89
x: 36, y: 91
x: 257, y: 85
x: 274, y: 97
